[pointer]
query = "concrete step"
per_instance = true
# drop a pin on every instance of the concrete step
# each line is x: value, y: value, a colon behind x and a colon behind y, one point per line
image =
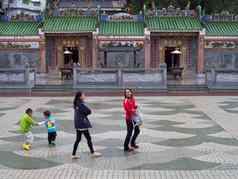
x: 187, y: 87
x: 48, y: 87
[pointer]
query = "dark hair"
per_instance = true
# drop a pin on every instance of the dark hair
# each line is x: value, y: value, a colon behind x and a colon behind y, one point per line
x: 77, y: 99
x: 47, y: 113
x: 29, y: 110
x: 129, y: 90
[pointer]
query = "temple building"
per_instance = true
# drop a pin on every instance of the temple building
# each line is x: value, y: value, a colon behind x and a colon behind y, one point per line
x: 94, y: 39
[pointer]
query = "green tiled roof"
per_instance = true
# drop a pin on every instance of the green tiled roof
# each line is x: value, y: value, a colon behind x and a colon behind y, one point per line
x: 221, y: 28
x: 70, y: 24
x: 19, y: 28
x: 122, y: 28
x: 173, y: 24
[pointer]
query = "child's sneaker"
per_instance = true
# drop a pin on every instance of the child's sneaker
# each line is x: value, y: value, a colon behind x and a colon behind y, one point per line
x: 52, y: 145
x: 26, y: 146
x: 74, y: 157
x: 96, y: 154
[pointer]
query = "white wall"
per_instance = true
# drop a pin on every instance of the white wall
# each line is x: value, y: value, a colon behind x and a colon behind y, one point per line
x: 30, y: 6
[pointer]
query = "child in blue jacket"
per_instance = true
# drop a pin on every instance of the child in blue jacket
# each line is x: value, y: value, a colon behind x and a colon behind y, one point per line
x: 51, y: 127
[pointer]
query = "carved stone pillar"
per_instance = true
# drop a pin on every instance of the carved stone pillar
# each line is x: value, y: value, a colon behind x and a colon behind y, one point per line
x: 147, y: 46
x: 200, y: 58
x: 161, y: 55
x: 82, y: 57
x: 94, y: 50
x: 60, y: 54
x: 147, y: 54
x: 183, y: 57
x: 42, y: 56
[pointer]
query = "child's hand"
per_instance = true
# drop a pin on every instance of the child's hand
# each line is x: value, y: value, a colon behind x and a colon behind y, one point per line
x: 40, y: 123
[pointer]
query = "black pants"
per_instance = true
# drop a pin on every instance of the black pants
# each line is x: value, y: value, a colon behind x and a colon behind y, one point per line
x: 78, y: 139
x: 130, y: 128
x: 51, y: 137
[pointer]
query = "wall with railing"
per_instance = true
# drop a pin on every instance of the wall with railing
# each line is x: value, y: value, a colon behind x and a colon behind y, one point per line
x: 17, y: 78
x: 222, y: 79
x: 121, y: 78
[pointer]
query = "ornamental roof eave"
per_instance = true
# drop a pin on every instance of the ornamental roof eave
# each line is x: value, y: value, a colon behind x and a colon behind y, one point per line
x: 69, y: 32
x: 171, y: 31
x: 20, y: 38
x: 125, y: 38
x: 215, y: 37
x: 221, y: 35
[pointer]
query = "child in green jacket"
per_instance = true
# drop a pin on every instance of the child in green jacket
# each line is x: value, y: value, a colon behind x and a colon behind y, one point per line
x: 26, y: 124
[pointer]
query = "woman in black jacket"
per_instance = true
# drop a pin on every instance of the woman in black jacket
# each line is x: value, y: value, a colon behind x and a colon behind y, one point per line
x: 82, y: 124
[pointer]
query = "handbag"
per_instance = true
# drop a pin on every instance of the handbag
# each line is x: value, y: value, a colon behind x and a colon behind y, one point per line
x: 137, y: 119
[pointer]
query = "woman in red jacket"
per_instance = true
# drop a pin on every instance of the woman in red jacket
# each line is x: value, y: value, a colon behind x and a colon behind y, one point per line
x: 130, y: 107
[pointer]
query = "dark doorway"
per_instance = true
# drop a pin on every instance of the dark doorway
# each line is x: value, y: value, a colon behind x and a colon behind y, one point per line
x: 171, y: 60
x: 168, y: 57
x: 71, y: 55
x: 75, y: 55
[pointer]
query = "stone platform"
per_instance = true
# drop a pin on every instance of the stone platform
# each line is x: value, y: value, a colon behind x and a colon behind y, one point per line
x: 182, y: 137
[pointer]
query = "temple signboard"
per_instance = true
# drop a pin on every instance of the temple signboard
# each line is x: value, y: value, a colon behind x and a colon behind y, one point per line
x: 122, y: 17
x: 19, y: 45
x: 221, y: 44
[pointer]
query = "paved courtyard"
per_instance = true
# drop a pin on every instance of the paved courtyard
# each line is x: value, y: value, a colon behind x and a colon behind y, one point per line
x: 182, y: 137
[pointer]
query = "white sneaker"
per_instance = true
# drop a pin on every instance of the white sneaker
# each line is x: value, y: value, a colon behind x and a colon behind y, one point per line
x: 75, y: 157
x: 96, y: 154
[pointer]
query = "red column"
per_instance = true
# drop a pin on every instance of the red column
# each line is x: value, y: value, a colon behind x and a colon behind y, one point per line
x: 42, y: 57
x: 200, y: 59
x: 147, y: 46
x: 94, y: 51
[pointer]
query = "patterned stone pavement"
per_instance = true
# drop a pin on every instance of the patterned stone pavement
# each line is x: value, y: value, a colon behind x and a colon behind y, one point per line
x: 182, y: 137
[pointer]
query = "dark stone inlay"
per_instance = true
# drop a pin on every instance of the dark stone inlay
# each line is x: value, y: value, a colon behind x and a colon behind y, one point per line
x: 229, y: 106
x: 196, y: 131
x: 179, y: 164
x: 15, y: 161
x: 191, y: 141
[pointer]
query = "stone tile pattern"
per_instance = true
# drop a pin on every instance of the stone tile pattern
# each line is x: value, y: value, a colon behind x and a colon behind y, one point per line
x: 178, y: 140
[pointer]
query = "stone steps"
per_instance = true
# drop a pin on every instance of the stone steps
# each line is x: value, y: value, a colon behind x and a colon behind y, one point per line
x: 187, y: 87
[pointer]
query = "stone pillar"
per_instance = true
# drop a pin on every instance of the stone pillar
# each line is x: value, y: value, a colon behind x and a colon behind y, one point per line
x: 147, y: 47
x: 94, y: 50
x: 60, y: 55
x: 27, y: 75
x: 183, y: 58
x: 162, y: 55
x: 200, y: 58
x: 43, y: 68
x: 82, y: 57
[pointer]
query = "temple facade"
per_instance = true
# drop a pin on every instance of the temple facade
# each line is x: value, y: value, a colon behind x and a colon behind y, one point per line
x: 94, y: 40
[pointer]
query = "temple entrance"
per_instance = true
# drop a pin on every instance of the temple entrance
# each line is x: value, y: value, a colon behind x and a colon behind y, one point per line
x: 71, y: 56
x: 172, y: 60
x: 168, y: 57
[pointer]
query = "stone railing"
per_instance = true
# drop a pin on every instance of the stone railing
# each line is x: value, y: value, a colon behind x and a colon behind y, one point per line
x: 17, y: 78
x: 220, y: 18
x: 222, y: 79
x: 121, y: 78
x: 171, y: 11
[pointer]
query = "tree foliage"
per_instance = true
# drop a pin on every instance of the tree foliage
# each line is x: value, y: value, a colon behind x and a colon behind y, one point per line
x: 210, y: 6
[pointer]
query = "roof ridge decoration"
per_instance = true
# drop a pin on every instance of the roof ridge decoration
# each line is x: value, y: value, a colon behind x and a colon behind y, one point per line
x: 121, y: 17
x: 171, y: 11
x: 224, y: 16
